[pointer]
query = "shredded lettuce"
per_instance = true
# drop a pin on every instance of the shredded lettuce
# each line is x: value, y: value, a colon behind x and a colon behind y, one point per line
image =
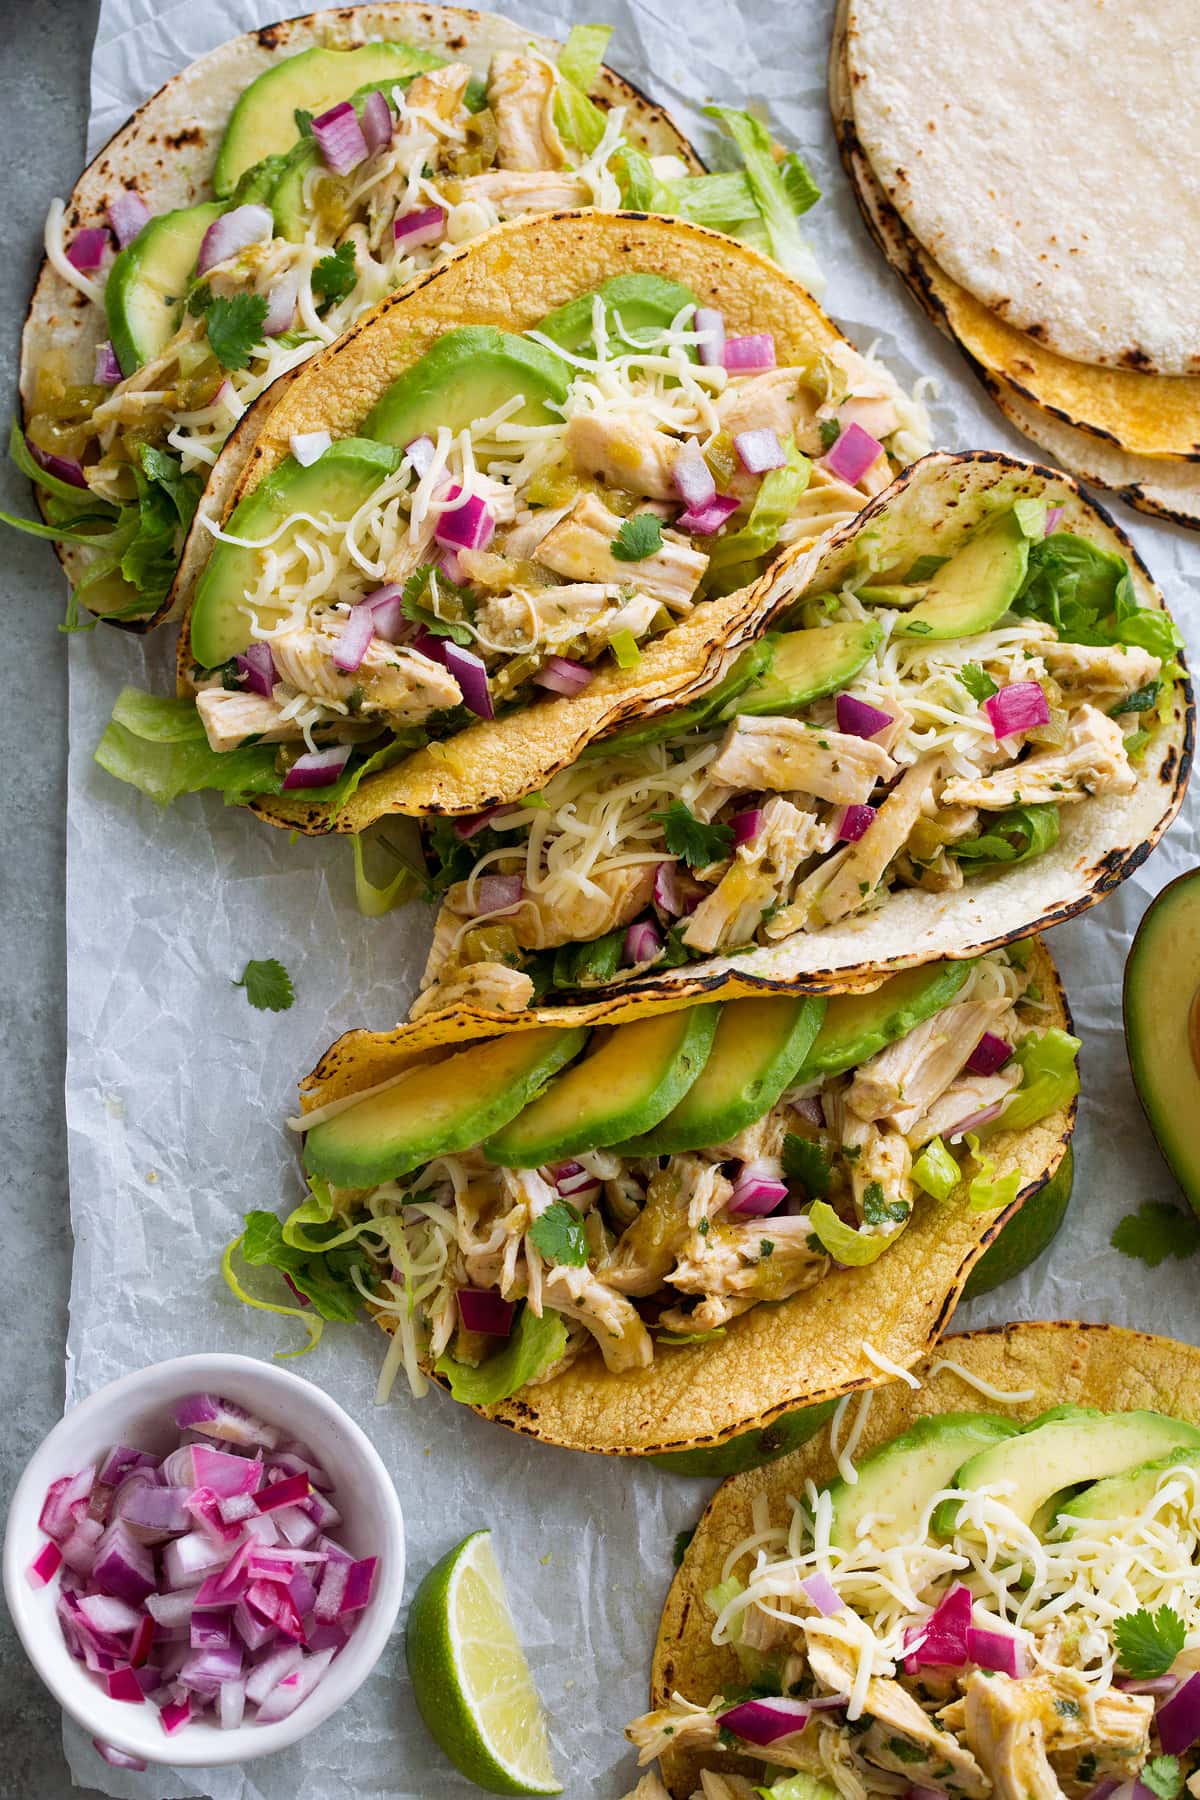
x: 986, y: 1191
x: 158, y: 746
x: 846, y: 1245
x: 578, y: 120
x: 1049, y: 1062
x: 717, y: 1599
x: 582, y: 56
x: 322, y: 1278
x: 734, y: 557
x: 799, y: 1787
x: 936, y: 1171
x: 535, y: 1346
x: 1015, y: 836
x: 635, y: 172
x: 1087, y: 594
x: 374, y: 898
x: 782, y: 190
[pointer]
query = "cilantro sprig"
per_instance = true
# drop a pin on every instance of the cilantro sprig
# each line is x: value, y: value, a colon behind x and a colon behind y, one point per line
x: 559, y: 1235
x: 268, y: 985
x: 234, y: 327
x: 335, y: 276
x: 689, y: 838
x: 416, y: 605
x: 1156, y: 1231
x: 1148, y: 1643
x: 640, y: 536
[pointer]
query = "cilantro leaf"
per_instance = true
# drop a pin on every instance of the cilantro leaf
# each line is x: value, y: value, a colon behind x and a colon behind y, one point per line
x: 640, y: 536
x: 1148, y: 1643
x: 412, y: 605
x: 691, y: 839
x: 323, y: 1279
x: 807, y: 1163
x: 335, y: 276
x: 234, y: 326
x: 877, y: 1210
x: 1142, y: 699
x: 1163, y: 1777
x: 977, y: 681
x: 831, y: 431
x: 268, y: 985
x: 1156, y: 1231
x: 559, y: 1235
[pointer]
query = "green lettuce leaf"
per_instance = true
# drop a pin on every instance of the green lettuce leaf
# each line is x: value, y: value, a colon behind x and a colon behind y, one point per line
x: 578, y: 120
x: 158, y: 746
x: 1015, y: 836
x: 323, y: 1279
x: 774, y: 504
x: 582, y: 56
x: 844, y: 1243
x: 987, y: 1191
x: 781, y: 190
x: 936, y: 1171
x: 1049, y: 1062
x: 1087, y: 594
x: 534, y: 1346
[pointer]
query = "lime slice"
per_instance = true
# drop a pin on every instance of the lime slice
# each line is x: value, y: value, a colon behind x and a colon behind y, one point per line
x: 470, y: 1677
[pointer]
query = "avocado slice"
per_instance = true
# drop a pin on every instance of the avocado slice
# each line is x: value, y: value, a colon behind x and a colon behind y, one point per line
x: 337, y: 484
x: 437, y: 1108
x: 758, y: 1047
x: 1162, y: 1026
x: 286, y: 199
x: 716, y: 704
x: 628, y: 1081
x: 467, y: 375
x: 1029, y: 1232
x: 1121, y: 1496
x: 900, y: 1478
x: 1062, y: 1449
x: 750, y: 1449
x: 857, y: 1025
x: 972, y: 590
x: 263, y: 123
x: 146, y: 285
x: 645, y: 302
x: 807, y: 665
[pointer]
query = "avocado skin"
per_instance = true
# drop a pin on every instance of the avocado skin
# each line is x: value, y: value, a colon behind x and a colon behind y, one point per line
x: 449, y: 385
x: 645, y: 302
x: 1162, y: 1025
x: 908, y: 1470
x: 857, y: 1025
x: 752, y: 1449
x: 162, y: 256
x: 1027, y: 1234
x: 808, y: 665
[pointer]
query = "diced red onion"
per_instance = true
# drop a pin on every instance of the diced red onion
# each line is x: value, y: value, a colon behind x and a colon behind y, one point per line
x: 45, y: 1565
x: 942, y: 1641
x: 232, y: 232
x: 471, y: 824
x: 152, y: 1514
x: 763, y: 1721
x: 998, y: 1650
x: 483, y: 1309
x: 375, y: 122
x: 295, y: 1526
x: 467, y: 526
x: 754, y: 352
x: 562, y: 676
x: 855, y: 822
x: 471, y: 675
x: 256, y: 666
x: 386, y: 609
x: 1161, y: 1685
x: 498, y: 893
x: 425, y: 644
x: 1018, y: 707
x: 704, y: 520
x: 693, y: 479
x: 141, y: 1640
x: 121, y: 1462
x: 79, y: 1550
x: 756, y: 1192
x: 823, y: 1595
x: 213, y: 1417
x: 308, y: 446
x: 746, y: 825
x: 123, y: 1566
x: 420, y: 453
x: 425, y: 226
x: 116, y: 1759
x: 974, y: 1120
x: 709, y: 326
x: 281, y: 305
x: 354, y: 639
x: 127, y: 213
x: 172, y: 1610
x: 852, y: 454
x: 990, y: 1053
x: 236, y: 1507
x: 288, y: 1492
x: 340, y: 138
x: 1053, y: 519
x: 56, y: 1518
x: 1179, y: 1718
x: 317, y: 768
x: 857, y: 719
x: 108, y: 370
x: 231, y: 1704
x: 759, y: 450
x: 175, y: 1715
x: 123, y: 1684
x: 359, y: 1583
x: 286, y: 1696
x: 447, y: 563
x: 86, y: 249
x: 108, y: 1615
x: 675, y: 891
x: 572, y: 1178
x: 188, y: 1558
x: 63, y: 466
x: 331, y: 1592
x: 642, y: 943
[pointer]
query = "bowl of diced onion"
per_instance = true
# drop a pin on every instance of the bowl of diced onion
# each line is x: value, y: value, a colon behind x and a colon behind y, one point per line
x: 204, y: 1560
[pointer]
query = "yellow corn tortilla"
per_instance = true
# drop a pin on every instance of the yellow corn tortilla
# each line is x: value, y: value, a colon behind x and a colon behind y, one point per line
x: 774, y: 1359
x: 1060, y: 1364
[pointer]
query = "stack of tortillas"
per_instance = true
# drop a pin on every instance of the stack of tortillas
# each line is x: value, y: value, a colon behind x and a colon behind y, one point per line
x: 1032, y: 172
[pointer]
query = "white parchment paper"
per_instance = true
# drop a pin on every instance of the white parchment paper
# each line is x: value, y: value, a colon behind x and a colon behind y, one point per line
x: 177, y: 1090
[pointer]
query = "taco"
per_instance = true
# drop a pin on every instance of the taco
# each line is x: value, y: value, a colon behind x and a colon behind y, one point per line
x: 267, y: 196
x: 996, y: 1595
x: 967, y: 719
x: 530, y: 497
x: 640, y: 1230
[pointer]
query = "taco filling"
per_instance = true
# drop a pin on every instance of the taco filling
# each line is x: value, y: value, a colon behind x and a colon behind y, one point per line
x: 984, y: 1610
x: 643, y: 1185
x: 317, y: 217
x: 918, y: 727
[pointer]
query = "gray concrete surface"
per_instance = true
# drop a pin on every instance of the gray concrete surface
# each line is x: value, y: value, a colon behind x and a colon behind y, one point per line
x: 45, y: 51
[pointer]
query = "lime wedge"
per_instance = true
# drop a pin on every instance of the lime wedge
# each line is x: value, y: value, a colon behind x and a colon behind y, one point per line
x: 470, y: 1678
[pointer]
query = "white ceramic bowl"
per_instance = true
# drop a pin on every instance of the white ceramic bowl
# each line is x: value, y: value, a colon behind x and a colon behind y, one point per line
x: 139, y: 1410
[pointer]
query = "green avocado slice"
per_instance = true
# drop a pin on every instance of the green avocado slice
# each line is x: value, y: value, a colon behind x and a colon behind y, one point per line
x: 971, y: 591
x: 897, y: 1481
x: 437, y: 1108
x: 628, y: 1081
x: 263, y: 123
x: 758, y: 1047
x: 807, y: 665
x: 1122, y: 1496
x: 1162, y: 1026
x: 857, y: 1025
x: 645, y: 303
x: 336, y: 484
x: 144, y: 293
x: 750, y: 1449
x: 467, y: 375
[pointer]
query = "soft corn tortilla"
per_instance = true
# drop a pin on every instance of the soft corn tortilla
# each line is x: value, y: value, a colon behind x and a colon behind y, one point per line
x: 166, y: 152
x: 1061, y: 1364
x: 776, y: 1358
x: 511, y: 278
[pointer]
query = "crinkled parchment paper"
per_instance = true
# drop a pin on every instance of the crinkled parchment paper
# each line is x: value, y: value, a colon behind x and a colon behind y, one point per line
x: 177, y: 1090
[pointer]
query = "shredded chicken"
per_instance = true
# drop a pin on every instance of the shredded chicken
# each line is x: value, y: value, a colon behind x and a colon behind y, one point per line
x: 757, y: 1260
x: 623, y: 451
x: 1113, y: 670
x: 231, y: 718
x: 777, y: 401
x: 618, y: 896
x: 613, y: 1321
x: 392, y: 681
x: 439, y: 91
x: 581, y: 548
x: 864, y: 865
x: 484, y: 986
x: 880, y: 1164
x: 542, y: 617
x: 521, y: 95
x: 513, y: 191
x: 901, y: 1082
x: 759, y: 875
x: 677, y: 1198
x: 1005, y: 1726
x: 1091, y: 761
x: 781, y: 754
x: 969, y: 1095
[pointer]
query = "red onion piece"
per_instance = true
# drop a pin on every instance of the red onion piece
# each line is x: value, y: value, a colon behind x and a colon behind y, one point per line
x: 375, y: 122
x: 707, y: 519
x: 288, y: 1492
x: 127, y: 213
x: 746, y: 353
x: 256, y: 665
x: 45, y: 1565
x: 852, y: 454
x: 123, y: 1684
x: 175, y: 1715
x: 498, y: 893
x: 354, y: 640
x: 359, y: 1584
x: 340, y: 138
x: 1018, y: 707
x: 709, y: 326
x: 855, y: 822
x: 746, y: 825
x: 1161, y: 1685
x: 307, y: 446
x: 386, y: 606
x: 943, y: 1637
x: 287, y: 1695
x: 281, y: 305
x: 318, y: 768
x: 231, y: 1704
x: 64, y: 467
x: 990, y: 1053
x: 232, y: 232
x: 86, y: 249
x: 483, y: 1309
x: 213, y: 1417
x: 1179, y: 1718
x: 471, y: 824
x: 998, y: 1650
x: 756, y: 1193
x: 420, y: 454
x: 562, y: 676
x: 763, y: 1721
x: 471, y: 675
x: 117, y: 1759
x: 433, y: 647
x: 857, y: 719
x: 823, y: 1595
x: 467, y: 526
x: 448, y: 564
x: 1053, y: 519
x: 572, y: 1178
x: 107, y: 371
x: 675, y: 891
x: 123, y: 1567
x: 759, y: 450
x: 973, y: 1121
x: 425, y: 226
x: 642, y: 943
x: 693, y: 479
x: 122, y: 1460
x: 153, y: 1514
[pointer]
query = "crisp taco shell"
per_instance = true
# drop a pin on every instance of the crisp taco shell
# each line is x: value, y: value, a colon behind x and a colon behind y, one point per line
x: 776, y: 1358
x: 1056, y: 1364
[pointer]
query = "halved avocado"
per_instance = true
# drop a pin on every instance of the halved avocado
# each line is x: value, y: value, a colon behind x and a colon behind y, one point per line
x: 751, y: 1449
x: 1063, y: 1449
x: 1029, y: 1232
x: 972, y: 590
x: 758, y: 1047
x: 1122, y: 1496
x: 807, y: 665
x: 1162, y: 1026
x: 337, y: 484
x: 467, y: 375
x: 645, y: 303
x: 629, y: 1080
x: 857, y: 1025
x: 897, y: 1481
x: 263, y: 123
x: 437, y: 1108
x: 146, y: 285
